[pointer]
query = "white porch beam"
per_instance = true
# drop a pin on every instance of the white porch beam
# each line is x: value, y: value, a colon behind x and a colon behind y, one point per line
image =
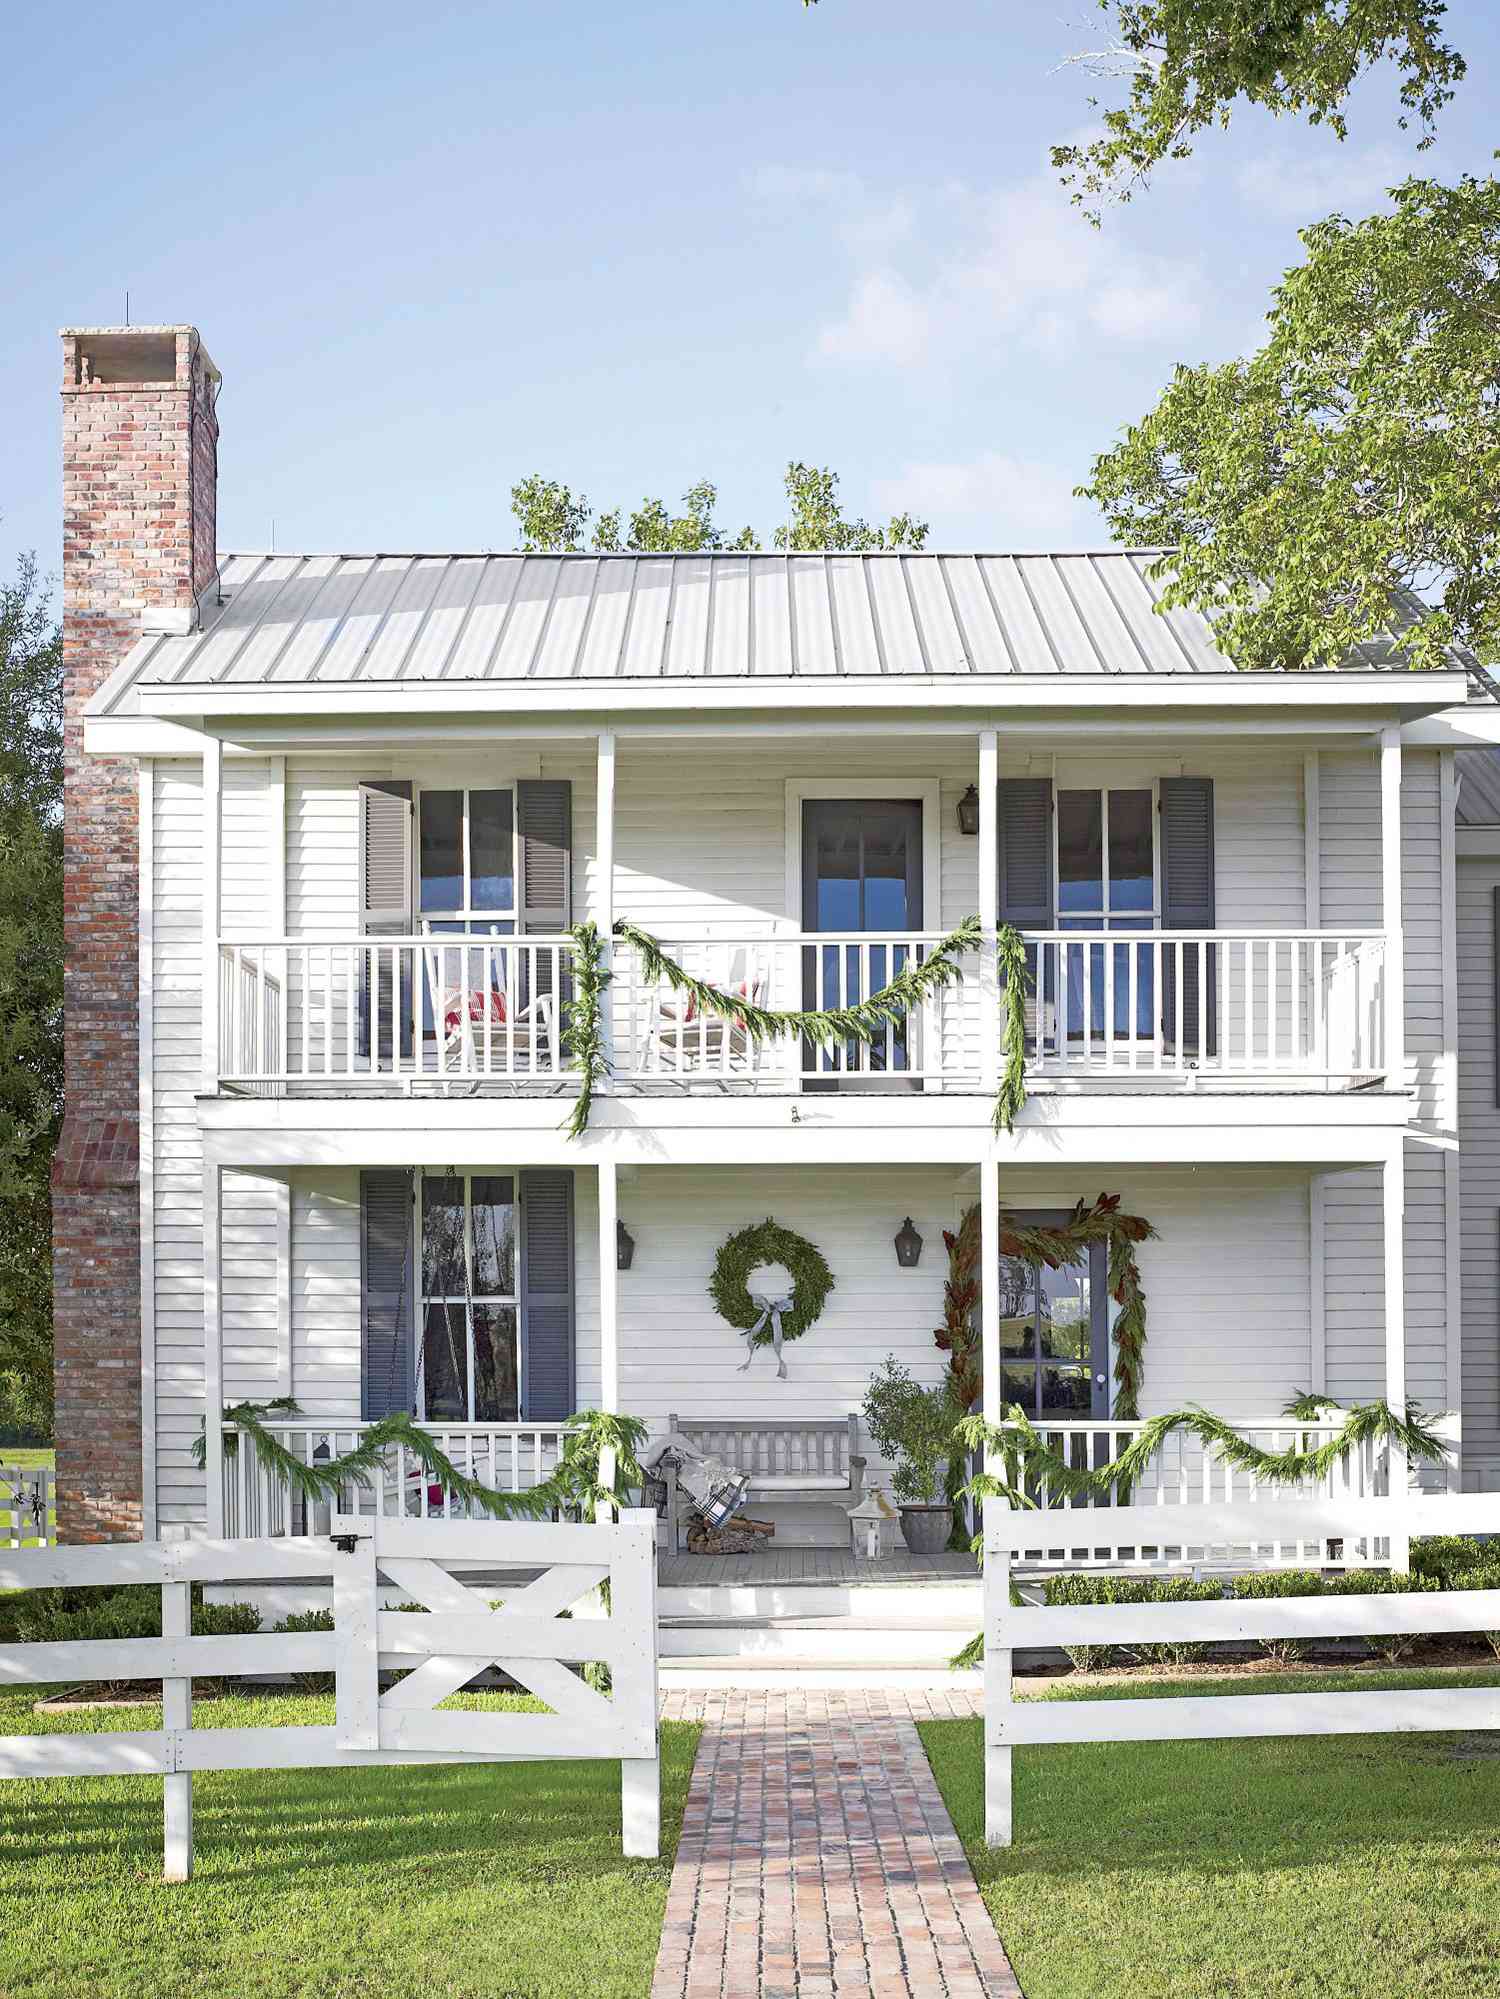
x: 1390, y: 908
x: 213, y: 1348
x: 1393, y: 1191
x: 989, y: 909
x: 212, y: 803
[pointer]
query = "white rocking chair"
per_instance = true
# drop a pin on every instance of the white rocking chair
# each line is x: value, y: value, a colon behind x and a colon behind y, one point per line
x: 677, y: 1037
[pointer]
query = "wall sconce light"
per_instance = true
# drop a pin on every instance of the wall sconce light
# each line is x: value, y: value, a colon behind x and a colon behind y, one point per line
x: 968, y: 811
x: 908, y: 1246
x: 624, y: 1247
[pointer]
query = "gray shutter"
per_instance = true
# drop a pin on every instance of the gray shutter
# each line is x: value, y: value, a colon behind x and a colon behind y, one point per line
x: 1025, y: 828
x: 387, y: 1366
x: 386, y: 834
x: 1187, y: 903
x: 544, y: 824
x: 548, y: 1391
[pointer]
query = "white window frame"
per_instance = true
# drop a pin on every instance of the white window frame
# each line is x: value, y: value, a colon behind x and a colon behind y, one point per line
x: 421, y: 1299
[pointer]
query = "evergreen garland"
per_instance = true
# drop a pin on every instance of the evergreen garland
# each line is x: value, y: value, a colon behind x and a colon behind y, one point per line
x: 575, y: 1483
x: 583, y: 1034
x: 769, y: 1242
x: 1015, y: 978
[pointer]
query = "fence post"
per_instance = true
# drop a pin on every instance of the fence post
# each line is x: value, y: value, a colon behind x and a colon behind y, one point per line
x: 177, y: 1714
x: 633, y: 1611
x: 356, y: 1636
x: 998, y: 1804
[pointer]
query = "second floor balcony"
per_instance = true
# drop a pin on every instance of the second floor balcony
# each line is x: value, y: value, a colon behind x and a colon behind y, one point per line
x: 1220, y: 1009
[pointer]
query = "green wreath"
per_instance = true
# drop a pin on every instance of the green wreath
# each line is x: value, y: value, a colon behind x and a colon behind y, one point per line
x: 762, y: 1324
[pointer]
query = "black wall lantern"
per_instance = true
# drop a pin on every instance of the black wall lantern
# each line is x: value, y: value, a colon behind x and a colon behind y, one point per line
x: 908, y: 1246
x: 968, y: 811
x: 624, y: 1247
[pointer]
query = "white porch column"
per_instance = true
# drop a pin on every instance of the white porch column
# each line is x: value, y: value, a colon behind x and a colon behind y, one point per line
x: 1390, y: 908
x: 212, y: 802
x: 996, y: 1591
x: 213, y: 1348
x: 603, y: 899
x: 1393, y: 1188
x: 609, y: 1311
x: 989, y: 910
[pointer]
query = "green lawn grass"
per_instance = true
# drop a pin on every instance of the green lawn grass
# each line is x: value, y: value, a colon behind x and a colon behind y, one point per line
x: 29, y: 1456
x: 1350, y: 1867
x: 434, y: 1882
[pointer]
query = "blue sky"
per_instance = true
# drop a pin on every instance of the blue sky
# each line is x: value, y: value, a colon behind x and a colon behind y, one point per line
x: 435, y: 248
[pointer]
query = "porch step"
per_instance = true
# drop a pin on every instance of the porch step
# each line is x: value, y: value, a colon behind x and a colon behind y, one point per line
x: 900, y: 1602
x: 929, y: 1641
x: 786, y: 1675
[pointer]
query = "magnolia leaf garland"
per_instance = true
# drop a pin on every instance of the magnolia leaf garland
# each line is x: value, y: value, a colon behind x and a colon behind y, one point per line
x: 1059, y: 1247
x: 745, y: 1251
x: 862, y: 1020
x: 575, y: 1483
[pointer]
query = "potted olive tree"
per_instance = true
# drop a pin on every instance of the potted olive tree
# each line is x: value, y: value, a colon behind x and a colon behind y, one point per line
x: 912, y: 1428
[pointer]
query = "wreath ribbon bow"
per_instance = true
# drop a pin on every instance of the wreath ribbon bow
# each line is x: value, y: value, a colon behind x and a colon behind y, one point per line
x: 770, y: 1317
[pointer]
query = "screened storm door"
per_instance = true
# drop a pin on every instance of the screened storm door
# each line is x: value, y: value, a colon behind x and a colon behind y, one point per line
x: 861, y: 872
x: 469, y: 1356
x: 1054, y: 1335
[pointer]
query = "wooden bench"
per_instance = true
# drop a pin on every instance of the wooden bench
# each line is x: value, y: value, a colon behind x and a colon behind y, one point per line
x: 816, y: 1463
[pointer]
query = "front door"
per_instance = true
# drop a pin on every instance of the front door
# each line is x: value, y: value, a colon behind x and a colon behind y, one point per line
x: 1054, y: 1337
x: 861, y: 873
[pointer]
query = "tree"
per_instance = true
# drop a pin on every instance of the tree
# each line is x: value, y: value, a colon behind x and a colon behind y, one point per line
x: 1354, y: 459
x: 31, y: 952
x: 553, y: 517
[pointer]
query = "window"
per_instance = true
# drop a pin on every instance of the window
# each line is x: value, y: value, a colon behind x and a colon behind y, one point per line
x: 468, y: 1352
x: 1107, y: 880
x: 1054, y: 1342
x: 466, y: 887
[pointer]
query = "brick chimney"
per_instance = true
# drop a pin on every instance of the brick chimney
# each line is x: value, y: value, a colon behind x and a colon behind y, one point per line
x: 140, y: 473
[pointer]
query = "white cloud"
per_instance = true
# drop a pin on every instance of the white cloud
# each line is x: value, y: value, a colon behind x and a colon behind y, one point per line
x: 993, y: 501
x: 1292, y: 190
x: 951, y: 268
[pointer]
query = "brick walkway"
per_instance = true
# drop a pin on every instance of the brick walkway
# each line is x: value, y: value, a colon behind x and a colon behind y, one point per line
x: 818, y: 1859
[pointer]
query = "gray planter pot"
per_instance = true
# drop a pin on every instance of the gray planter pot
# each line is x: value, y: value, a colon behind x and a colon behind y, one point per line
x: 925, y: 1529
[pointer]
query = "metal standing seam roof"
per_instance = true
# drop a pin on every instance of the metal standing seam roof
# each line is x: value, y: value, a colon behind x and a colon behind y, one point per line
x: 298, y: 620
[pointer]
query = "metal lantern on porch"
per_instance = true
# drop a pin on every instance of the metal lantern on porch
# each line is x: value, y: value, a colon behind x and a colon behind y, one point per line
x: 624, y: 1247
x: 874, y: 1529
x: 908, y: 1245
x: 968, y: 811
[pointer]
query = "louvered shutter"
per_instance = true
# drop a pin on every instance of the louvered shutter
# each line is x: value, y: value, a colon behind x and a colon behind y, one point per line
x: 387, y: 1313
x: 544, y: 825
x: 1025, y: 828
x: 385, y: 848
x: 548, y: 1392
x: 1187, y: 903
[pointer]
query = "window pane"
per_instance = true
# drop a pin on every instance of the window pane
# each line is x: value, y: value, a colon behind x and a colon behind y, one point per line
x: 441, y: 850
x: 1080, y: 851
x: 1017, y: 1308
x: 1130, y: 883
x: 496, y: 1375
x: 493, y: 1199
x: 491, y: 850
x: 885, y: 858
x: 442, y: 1238
x: 1020, y: 1386
x: 1066, y: 1330
x: 445, y: 1364
x: 1066, y: 1391
x: 837, y: 874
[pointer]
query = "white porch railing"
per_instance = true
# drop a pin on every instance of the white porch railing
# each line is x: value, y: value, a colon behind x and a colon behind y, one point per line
x: 1181, y: 1476
x: 1211, y: 1006
x: 349, y: 1012
x: 1226, y: 1008
x: 508, y: 1457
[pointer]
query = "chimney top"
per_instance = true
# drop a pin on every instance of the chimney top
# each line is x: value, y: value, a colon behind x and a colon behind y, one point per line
x: 134, y: 356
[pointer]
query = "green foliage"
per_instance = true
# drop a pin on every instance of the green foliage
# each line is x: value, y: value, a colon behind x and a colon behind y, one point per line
x: 583, y: 1031
x: 31, y: 950
x: 745, y: 1251
x: 911, y: 1427
x: 1275, y: 1583
x: 1076, y: 1589
x: 1341, y: 480
x: 1485, y: 1575
x: 1448, y: 1555
x: 64, y: 1616
x: 553, y: 517
x: 1190, y: 62
x: 309, y: 1620
x: 1392, y: 1646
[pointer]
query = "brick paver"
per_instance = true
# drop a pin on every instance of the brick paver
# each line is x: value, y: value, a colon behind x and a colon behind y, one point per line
x: 817, y: 1857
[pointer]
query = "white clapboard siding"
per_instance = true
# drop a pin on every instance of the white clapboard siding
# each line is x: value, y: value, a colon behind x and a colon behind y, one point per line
x: 325, y: 1293
x: 1479, y: 1178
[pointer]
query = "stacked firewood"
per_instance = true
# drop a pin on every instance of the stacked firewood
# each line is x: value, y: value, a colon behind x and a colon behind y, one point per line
x: 739, y: 1536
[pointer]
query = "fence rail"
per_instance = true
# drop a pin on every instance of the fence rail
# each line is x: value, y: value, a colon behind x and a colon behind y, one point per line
x: 456, y: 1635
x: 1313, y: 1519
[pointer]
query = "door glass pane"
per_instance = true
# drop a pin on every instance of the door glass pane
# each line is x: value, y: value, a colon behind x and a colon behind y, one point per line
x: 1130, y: 882
x: 1065, y: 1331
x: 493, y: 1198
x: 441, y: 850
x: 491, y: 850
x: 1066, y: 1391
x: 1017, y: 1308
x: 836, y: 862
x: 1020, y: 1386
x: 443, y: 1237
x: 445, y: 1364
x: 1080, y: 852
x: 496, y: 1377
x: 885, y: 863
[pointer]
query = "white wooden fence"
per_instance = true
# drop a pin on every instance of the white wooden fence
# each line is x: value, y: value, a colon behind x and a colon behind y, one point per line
x: 1314, y: 1520
x: 438, y: 1650
x: 28, y: 1506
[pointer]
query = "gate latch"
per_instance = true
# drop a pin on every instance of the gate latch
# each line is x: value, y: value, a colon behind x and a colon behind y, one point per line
x: 347, y: 1543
